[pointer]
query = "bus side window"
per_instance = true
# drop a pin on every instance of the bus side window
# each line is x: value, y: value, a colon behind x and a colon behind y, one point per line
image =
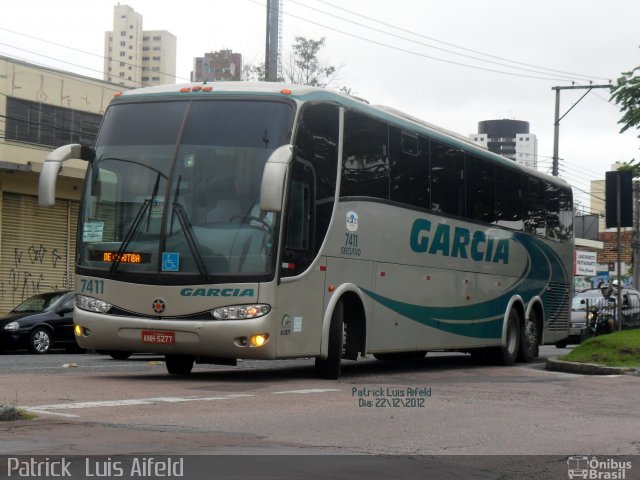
x: 409, y: 168
x: 313, y: 186
x: 365, y: 169
x: 480, y: 191
x: 447, y: 179
x: 536, y: 217
x: 510, y: 199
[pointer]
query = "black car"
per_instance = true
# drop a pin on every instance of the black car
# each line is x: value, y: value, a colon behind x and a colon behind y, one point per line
x: 40, y: 323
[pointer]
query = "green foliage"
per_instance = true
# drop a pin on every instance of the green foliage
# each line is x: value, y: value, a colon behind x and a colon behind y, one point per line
x: 305, y: 66
x: 626, y: 94
x: 619, y: 349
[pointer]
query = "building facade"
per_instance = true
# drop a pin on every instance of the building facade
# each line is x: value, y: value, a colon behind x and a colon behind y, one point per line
x: 220, y: 66
x: 134, y: 57
x: 509, y: 138
x: 41, y: 110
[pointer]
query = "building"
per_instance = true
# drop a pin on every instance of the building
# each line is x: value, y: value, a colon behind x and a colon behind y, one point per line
x: 509, y: 138
x: 134, y: 57
x: 220, y: 66
x: 41, y: 109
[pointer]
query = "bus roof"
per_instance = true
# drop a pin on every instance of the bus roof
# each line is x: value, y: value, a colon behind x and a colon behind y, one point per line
x: 305, y: 93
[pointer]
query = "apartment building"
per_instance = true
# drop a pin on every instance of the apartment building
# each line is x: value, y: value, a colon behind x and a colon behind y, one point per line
x: 134, y: 57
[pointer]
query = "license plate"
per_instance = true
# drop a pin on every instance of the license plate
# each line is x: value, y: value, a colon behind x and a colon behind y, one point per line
x: 158, y: 338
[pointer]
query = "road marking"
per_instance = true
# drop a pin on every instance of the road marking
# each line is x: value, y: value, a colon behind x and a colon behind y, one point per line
x: 126, y: 403
x: 49, y: 409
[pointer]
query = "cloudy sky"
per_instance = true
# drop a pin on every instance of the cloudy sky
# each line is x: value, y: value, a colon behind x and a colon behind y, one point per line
x: 450, y: 62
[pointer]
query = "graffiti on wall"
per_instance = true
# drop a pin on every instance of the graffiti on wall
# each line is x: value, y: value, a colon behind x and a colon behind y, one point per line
x: 27, y: 276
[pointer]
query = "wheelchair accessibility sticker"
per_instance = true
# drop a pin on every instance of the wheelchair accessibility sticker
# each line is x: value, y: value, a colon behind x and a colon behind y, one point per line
x: 170, y: 262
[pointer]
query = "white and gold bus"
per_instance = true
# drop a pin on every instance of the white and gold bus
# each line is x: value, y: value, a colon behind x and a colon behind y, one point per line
x: 229, y: 221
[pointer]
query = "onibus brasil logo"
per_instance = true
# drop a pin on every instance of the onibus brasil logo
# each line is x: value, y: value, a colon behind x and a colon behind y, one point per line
x: 594, y: 468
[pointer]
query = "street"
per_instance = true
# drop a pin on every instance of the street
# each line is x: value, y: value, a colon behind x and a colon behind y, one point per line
x: 442, y: 405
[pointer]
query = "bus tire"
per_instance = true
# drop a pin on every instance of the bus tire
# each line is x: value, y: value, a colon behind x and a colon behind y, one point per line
x: 330, y: 367
x: 508, y: 353
x: 529, y: 339
x: 118, y: 355
x: 179, y: 364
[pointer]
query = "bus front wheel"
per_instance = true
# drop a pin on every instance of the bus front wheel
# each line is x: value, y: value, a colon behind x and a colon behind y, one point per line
x: 330, y: 367
x: 179, y: 364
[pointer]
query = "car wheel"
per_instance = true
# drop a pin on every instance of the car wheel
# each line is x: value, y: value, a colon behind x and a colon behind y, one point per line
x: 40, y: 340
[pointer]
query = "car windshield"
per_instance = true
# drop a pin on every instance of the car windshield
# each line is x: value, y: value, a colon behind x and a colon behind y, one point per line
x: 581, y: 300
x: 39, y: 303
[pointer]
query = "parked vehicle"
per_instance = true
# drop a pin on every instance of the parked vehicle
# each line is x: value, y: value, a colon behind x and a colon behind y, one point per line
x: 40, y: 323
x: 594, y: 312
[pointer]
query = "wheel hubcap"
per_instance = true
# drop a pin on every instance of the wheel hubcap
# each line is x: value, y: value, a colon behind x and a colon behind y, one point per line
x: 41, y: 341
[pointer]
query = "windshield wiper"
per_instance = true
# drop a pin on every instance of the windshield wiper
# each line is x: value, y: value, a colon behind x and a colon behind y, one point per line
x: 127, y: 239
x: 187, y: 229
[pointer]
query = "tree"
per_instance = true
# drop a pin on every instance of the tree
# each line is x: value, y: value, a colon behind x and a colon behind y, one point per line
x: 304, y: 66
x: 253, y: 72
x: 626, y: 94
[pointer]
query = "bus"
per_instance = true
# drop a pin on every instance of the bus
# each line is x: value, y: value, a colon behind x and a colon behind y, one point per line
x: 226, y: 221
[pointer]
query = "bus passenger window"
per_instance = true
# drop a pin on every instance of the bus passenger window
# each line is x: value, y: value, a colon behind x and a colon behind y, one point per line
x: 409, y: 169
x: 365, y: 169
x: 480, y: 191
x: 447, y: 179
x: 536, y: 216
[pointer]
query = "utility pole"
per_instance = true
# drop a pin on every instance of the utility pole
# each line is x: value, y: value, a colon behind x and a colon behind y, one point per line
x: 556, y: 123
x: 273, y: 52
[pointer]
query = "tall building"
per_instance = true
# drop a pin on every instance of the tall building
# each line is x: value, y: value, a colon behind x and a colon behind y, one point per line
x: 134, y: 57
x: 509, y: 138
x: 223, y: 65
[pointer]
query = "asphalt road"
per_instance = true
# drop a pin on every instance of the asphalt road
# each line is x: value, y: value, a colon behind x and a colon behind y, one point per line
x: 443, y: 405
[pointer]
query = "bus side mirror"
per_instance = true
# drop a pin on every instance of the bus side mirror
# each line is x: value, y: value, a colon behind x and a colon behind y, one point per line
x: 273, y: 179
x: 52, y: 166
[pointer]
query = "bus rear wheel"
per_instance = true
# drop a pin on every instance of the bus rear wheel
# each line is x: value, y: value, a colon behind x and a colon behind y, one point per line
x: 330, y: 367
x: 529, y: 339
x: 179, y: 364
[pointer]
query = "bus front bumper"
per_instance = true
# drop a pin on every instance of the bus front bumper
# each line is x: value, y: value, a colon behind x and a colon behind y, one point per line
x: 231, y: 339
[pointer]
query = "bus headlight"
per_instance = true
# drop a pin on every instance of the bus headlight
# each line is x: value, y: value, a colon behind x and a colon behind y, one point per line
x: 240, y: 312
x: 92, y: 304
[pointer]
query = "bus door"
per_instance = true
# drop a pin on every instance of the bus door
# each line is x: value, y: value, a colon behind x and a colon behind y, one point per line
x: 310, y: 205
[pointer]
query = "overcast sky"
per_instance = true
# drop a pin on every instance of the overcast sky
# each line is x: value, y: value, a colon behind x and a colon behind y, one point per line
x: 428, y: 63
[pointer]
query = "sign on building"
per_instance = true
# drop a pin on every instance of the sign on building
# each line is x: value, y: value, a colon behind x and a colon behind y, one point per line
x: 585, y: 263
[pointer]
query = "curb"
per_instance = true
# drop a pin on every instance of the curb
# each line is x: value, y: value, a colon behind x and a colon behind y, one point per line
x: 556, y: 365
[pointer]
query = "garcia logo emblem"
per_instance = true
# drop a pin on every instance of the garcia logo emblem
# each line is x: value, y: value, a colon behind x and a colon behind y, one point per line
x: 159, y: 305
x: 352, y: 221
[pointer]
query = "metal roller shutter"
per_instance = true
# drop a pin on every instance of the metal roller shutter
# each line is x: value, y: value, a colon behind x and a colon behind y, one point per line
x: 38, y: 248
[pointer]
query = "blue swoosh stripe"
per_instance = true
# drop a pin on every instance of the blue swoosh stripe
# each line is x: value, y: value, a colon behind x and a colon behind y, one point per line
x: 484, y: 320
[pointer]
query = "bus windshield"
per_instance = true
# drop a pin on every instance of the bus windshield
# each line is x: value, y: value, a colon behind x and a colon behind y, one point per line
x: 174, y: 189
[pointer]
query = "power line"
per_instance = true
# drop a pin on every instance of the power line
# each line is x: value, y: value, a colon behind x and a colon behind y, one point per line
x: 458, y: 46
x: 418, y: 54
x: 567, y: 75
